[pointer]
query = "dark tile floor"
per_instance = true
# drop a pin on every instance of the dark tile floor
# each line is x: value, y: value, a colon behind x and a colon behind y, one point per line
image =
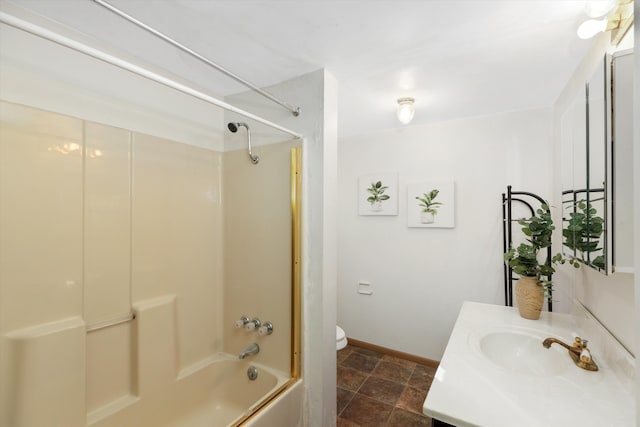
x: 378, y: 390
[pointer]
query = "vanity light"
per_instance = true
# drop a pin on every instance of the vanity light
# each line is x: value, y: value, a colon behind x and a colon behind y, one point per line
x: 590, y: 28
x: 406, y: 110
x: 619, y: 16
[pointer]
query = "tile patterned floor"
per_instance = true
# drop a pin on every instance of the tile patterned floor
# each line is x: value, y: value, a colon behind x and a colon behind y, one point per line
x: 378, y: 390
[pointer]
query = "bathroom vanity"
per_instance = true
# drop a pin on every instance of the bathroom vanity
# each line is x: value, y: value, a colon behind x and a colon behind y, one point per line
x: 496, y: 372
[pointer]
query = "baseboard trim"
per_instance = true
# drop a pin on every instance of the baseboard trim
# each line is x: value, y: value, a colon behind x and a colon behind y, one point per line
x: 395, y: 353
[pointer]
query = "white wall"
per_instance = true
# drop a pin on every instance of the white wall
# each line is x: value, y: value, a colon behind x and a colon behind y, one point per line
x: 421, y: 276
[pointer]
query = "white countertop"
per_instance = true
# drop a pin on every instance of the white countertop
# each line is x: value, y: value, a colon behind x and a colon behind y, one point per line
x: 469, y: 389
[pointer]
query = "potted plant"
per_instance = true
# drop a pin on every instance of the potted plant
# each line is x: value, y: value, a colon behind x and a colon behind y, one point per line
x: 534, y: 283
x: 583, y: 232
x: 377, y: 195
x: 429, y: 207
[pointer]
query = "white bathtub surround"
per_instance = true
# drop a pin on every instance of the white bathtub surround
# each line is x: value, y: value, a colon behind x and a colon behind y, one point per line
x: 147, y: 245
x: 42, y: 355
x: 213, y: 391
x: 257, y: 251
x: 493, y: 352
x: 217, y: 393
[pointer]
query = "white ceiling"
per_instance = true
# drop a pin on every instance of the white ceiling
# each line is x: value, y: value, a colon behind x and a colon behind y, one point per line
x: 457, y: 58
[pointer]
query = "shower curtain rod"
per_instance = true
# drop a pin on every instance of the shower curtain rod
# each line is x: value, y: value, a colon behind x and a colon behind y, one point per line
x: 46, y: 34
x: 294, y: 110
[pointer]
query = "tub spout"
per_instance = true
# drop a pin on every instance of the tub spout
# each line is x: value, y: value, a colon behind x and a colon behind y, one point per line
x: 252, y: 349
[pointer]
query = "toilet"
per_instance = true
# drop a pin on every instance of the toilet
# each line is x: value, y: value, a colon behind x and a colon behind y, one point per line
x: 341, y: 338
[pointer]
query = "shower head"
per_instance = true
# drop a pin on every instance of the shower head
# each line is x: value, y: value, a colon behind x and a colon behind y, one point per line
x: 233, y: 126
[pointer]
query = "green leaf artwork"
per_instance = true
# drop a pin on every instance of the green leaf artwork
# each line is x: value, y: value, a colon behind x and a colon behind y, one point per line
x: 427, y: 202
x: 376, y: 192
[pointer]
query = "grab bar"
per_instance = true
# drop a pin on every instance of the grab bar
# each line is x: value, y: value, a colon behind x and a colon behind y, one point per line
x: 110, y: 322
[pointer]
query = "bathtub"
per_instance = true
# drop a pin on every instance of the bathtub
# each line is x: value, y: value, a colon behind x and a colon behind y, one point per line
x: 215, y: 393
x: 226, y: 394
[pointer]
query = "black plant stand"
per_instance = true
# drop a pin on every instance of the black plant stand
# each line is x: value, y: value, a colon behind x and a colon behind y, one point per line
x: 508, y: 199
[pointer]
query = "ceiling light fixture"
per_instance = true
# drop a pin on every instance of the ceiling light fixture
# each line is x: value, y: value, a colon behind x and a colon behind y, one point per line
x: 406, y: 110
x: 619, y: 17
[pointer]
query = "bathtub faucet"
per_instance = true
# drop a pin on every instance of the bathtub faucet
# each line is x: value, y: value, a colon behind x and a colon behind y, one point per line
x: 252, y: 349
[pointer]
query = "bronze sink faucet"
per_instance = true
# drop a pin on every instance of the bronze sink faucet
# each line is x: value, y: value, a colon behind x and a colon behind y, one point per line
x: 579, y: 352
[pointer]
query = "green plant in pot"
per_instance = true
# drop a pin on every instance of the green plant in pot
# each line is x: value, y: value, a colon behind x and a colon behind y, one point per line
x: 583, y: 233
x: 429, y: 206
x: 534, y: 283
x: 377, y: 195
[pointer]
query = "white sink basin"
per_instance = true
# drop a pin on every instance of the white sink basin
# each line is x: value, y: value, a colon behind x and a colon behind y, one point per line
x: 523, y: 353
x: 495, y: 372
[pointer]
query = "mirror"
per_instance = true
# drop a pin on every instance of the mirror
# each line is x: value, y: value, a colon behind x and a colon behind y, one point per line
x: 597, y: 187
x: 593, y: 203
x: 622, y: 136
x: 584, y: 181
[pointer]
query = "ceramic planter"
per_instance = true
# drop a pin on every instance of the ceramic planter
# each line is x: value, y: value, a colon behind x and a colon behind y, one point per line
x: 529, y: 297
